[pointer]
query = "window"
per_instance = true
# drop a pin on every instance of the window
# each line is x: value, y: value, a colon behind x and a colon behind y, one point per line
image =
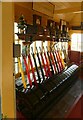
x: 45, y: 44
x: 38, y: 44
x: 15, y: 31
x: 76, y: 43
x: 17, y: 41
x: 32, y: 46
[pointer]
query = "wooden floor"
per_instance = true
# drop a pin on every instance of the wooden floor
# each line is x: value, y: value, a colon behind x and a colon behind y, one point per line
x: 77, y: 109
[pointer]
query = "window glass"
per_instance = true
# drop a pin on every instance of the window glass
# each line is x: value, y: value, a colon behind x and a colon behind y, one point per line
x: 38, y: 44
x: 76, y: 42
x: 45, y: 44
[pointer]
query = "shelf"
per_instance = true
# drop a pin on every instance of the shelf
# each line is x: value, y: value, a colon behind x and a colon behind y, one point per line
x: 35, y: 37
x: 27, y: 43
x: 23, y: 36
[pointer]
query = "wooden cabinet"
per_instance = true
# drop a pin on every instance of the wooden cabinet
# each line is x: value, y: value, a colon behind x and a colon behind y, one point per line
x: 81, y: 57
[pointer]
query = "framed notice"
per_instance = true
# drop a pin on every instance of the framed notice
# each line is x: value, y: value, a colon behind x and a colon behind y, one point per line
x: 36, y: 19
x: 51, y: 23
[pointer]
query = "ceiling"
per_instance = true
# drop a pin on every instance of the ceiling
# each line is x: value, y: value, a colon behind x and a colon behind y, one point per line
x: 69, y: 11
x: 66, y: 5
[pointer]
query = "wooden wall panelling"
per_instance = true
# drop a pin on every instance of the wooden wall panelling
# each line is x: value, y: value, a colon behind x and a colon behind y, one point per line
x: 27, y: 5
x: 81, y: 57
x: 26, y: 11
x: 77, y: 58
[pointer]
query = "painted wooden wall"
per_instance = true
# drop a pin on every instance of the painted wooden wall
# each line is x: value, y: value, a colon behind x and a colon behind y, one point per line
x: 8, y: 83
